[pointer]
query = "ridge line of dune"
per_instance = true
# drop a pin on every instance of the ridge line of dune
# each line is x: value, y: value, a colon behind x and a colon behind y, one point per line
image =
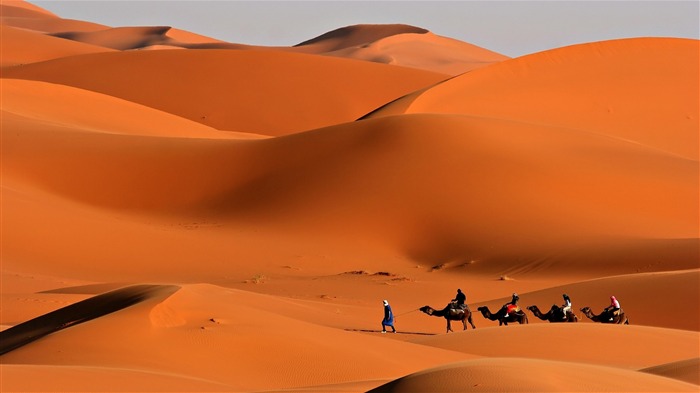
x: 83, y: 311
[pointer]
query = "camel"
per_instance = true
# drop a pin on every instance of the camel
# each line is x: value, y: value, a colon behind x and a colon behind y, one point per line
x: 518, y: 316
x: 451, y: 314
x: 554, y: 314
x: 605, y: 317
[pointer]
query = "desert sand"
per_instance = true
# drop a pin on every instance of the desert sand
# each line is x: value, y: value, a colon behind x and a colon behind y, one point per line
x: 185, y: 214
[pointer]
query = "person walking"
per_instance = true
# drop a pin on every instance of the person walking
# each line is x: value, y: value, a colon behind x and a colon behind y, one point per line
x: 388, y: 318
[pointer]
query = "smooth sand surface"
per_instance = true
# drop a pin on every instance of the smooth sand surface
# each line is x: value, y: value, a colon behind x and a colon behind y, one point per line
x: 185, y: 214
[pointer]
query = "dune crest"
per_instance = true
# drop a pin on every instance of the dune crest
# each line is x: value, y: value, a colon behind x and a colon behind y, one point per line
x: 357, y: 35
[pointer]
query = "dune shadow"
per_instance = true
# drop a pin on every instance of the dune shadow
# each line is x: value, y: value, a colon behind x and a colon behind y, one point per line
x: 83, y: 311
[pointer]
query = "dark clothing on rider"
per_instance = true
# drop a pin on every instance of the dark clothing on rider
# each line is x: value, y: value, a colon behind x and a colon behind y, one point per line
x: 461, y: 298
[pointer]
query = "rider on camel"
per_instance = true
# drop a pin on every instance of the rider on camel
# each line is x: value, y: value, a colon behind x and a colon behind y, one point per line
x: 566, y: 307
x: 459, y: 302
x: 614, y: 308
x: 512, y: 306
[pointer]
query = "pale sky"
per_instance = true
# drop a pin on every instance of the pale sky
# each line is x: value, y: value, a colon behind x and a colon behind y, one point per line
x: 513, y: 28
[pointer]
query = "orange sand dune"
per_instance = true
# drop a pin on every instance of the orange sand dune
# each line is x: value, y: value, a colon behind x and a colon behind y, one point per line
x: 644, y: 90
x: 512, y: 221
x: 25, y: 15
x: 528, y: 375
x: 223, y: 340
x: 574, y: 342
x: 423, y: 51
x: 121, y: 38
x: 23, y: 9
x: 236, y: 90
x: 357, y: 35
x: 126, y: 38
x: 402, y: 45
x: 36, y: 105
x: 22, y: 47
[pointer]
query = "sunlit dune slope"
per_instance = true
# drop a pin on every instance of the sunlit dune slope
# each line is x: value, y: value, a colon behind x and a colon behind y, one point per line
x: 38, y: 378
x: 33, y: 105
x: 644, y: 90
x: 266, y: 92
x: 438, y: 188
x: 574, y: 342
x: 528, y: 375
x: 223, y: 341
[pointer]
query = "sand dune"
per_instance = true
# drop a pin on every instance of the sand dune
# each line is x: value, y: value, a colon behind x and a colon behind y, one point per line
x: 527, y: 375
x: 223, y: 337
x: 257, y: 81
x: 402, y: 45
x: 423, y: 51
x: 22, y: 47
x: 634, y: 89
x: 215, y: 218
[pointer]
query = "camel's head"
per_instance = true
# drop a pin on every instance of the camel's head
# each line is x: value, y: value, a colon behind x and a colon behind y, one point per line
x: 482, y: 308
x: 532, y: 308
x: 427, y: 309
x: 586, y: 309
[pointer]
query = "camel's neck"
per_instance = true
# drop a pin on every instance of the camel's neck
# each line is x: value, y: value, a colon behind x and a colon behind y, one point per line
x: 536, y: 311
x: 487, y: 314
x: 591, y: 316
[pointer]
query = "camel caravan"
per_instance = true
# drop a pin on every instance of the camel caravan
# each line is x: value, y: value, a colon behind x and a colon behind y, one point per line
x: 458, y: 310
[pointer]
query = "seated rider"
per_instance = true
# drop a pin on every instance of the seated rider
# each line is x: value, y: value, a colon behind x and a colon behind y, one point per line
x: 614, y: 308
x: 459, y: 301
x: 566, y: 307
x: 512, y: 306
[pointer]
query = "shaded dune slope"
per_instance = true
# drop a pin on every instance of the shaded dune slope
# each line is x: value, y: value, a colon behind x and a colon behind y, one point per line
x: 77, y: 313
x: 523, y: 171
x: 235, y: 90
x: 636, y: 89
x: 684, y: 370
x: 356, y: 35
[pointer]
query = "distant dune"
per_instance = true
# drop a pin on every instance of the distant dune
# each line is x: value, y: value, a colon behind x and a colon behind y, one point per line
x: 181, y: 213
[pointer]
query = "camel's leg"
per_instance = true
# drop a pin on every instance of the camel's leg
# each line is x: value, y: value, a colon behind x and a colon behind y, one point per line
x: 471, y: 323
x: 464, y: 322
x: 449, y: 326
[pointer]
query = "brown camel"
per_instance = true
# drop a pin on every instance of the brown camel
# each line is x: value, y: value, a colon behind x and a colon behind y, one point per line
x: 606, y: 316
x: 500, y: 316
x: 451, y: 314
x: 554, y: 314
